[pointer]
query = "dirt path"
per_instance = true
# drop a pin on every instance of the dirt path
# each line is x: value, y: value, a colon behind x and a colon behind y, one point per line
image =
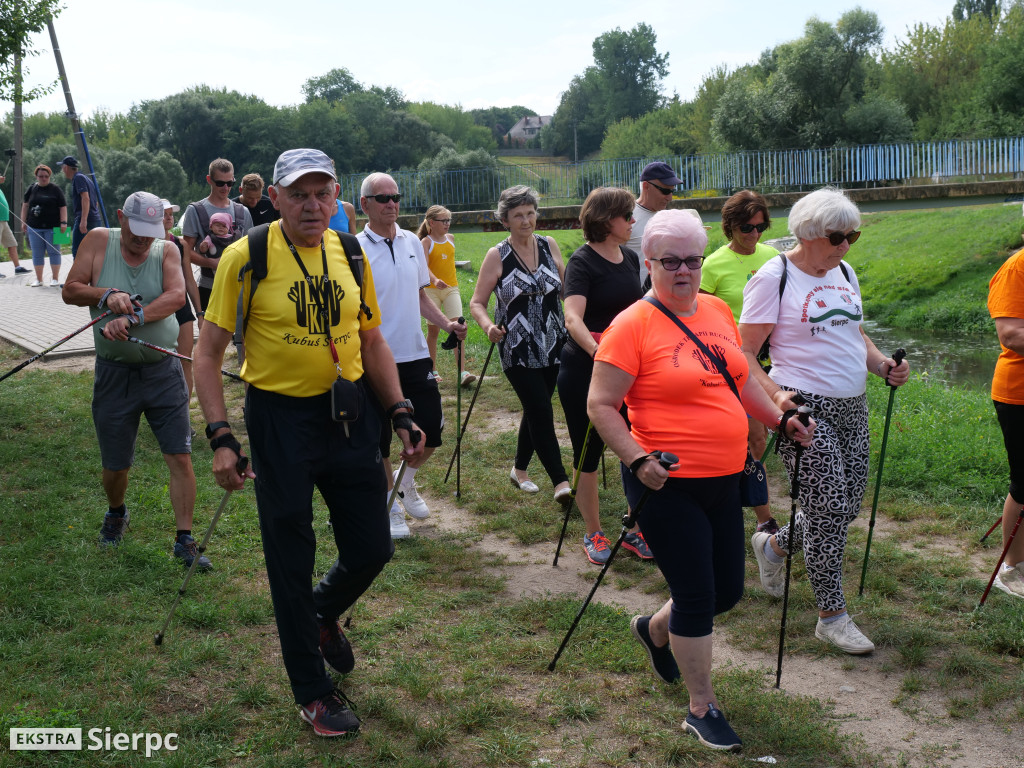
x: 862, y: 695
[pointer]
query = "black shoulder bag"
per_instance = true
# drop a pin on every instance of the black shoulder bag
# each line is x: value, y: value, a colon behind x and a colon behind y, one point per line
x: 753, y: 481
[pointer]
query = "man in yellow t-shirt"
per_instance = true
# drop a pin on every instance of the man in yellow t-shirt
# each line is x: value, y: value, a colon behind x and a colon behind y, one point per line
x: 1006, y: 306
x: 310, y: 344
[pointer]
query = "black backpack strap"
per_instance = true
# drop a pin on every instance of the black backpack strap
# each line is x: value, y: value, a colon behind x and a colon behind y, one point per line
x: 239, y: 216
x: 356, y: 262
x: 257, y: 265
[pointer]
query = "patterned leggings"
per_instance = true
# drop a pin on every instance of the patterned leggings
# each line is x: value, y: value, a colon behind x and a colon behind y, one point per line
x: 833, y: 478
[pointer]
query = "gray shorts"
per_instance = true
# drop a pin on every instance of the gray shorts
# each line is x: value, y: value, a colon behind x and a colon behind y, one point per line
x: 122, y: 393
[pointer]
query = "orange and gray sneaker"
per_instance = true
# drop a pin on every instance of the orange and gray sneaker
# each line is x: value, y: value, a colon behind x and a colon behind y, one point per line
x: 330, y: 716
x: 595, y: 545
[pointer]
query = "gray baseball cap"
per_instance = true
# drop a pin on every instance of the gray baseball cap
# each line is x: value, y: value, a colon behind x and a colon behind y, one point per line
x: 295, y: 163
x: 145, y: 214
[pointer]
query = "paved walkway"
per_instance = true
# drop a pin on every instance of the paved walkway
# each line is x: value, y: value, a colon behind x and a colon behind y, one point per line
x: 36, y: 318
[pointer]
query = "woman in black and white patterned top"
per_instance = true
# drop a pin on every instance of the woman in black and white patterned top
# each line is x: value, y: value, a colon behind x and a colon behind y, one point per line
x: 525, y: 273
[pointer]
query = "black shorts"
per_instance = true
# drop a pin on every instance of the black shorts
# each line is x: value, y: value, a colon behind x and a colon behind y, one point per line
x: 419, y: 386
x: 184, y: 315
x: 1011, y: 421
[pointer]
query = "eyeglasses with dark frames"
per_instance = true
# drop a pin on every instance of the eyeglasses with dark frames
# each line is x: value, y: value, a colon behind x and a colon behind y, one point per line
x: 223, y: 182
x: 442, y: 221
x: 836, y: 238
x: 746, y: 229
x: 672, y: 263
x: 383, y: 199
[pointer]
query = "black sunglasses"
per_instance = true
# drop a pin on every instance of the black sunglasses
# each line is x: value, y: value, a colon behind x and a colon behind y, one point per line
x: 382, y: 199
x: 837, y: 238
x: 223, y: 183
x: 746, y: 229
x: 672, y: 263
x: 663, y: 190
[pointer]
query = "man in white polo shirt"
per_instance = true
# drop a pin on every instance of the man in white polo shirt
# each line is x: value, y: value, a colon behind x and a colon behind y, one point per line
x: 399, y: 276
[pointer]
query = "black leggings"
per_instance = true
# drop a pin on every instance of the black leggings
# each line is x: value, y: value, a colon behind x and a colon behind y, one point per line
x: 1011, y: 421
x: 535, y: 386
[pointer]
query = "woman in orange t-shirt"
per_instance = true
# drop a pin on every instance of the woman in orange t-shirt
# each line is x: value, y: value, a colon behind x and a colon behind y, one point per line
x: 1006, y: 306
x: 678, y: 401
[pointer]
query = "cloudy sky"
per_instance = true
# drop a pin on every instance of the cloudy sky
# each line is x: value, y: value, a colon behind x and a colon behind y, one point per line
x: 473, y: 54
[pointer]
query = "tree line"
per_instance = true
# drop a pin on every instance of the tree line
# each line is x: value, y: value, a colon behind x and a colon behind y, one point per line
x: 835, y: 85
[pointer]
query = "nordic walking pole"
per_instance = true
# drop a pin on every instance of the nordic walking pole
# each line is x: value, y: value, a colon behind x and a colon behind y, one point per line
x: 472, y: 402
x: 54, y: 346
x: 1013, y: 533
x: 666, y: 460
x: 453, y: 342
x: 803, y: 413
x: 243, y: 462
x: 178, y: 355
x: 994, y: 526
x: 604, y: 473
x: 572, y: 498
x: 898, y: 356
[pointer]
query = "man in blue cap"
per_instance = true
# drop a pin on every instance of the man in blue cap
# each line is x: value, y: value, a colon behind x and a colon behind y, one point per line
x: 86, y: 202
x: 657, y: 183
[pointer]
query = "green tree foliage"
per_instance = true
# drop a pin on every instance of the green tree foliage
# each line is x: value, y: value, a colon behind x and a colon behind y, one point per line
x: 19, y: 19
x: 457, y: 125
x: 37, y: 129
x: 964, y: 9
x: 802, y: 93
x: 131, y: 170
x: 331, y: 87
x: 661, y: 132
x: 471, y: 190
x: 625, y: 81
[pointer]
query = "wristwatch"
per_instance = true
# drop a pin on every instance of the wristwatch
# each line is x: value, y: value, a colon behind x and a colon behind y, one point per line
x: 211, y: 428
x: 401, y: 404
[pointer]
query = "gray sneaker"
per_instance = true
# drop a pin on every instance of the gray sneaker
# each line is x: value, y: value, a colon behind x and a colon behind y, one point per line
x: 186, y: 550
x: 773, y: 575
x: 845, y: 635
x: 1010, y: 580
x: 113, y: 528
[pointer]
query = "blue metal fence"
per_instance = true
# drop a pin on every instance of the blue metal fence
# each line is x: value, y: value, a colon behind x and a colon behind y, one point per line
x: 717, y: 174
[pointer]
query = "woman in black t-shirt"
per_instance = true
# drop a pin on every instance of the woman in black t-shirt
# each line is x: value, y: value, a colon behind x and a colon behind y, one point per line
x: 43, y: 210
x: 601, y: 279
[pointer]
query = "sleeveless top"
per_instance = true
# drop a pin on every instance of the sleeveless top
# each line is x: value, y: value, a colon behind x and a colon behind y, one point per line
x: 146, y: 279
x: 530, y: 308
x: 441, y: 261
x: 339, y: 221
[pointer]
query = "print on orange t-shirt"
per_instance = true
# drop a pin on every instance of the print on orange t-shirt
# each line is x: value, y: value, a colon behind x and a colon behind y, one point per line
x: 679, y: 401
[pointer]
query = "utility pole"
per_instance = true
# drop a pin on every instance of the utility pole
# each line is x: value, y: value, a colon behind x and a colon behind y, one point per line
x: 19, y: 183
x: 76, y: 125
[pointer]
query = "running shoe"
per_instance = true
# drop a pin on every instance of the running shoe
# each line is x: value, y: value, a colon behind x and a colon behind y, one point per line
x: 637, y: 544
x: 185, y: 549
x: 662, y: 660
x: 1010, y: 580
x: 35, y: 284
x: 329, y: 716
x: 399, y: 528
x: 773, y: 575
x: 845, y: 635
x: 19, y: 270
x: 335, y: 647
x: 596, y: 547
x: 713, y: 730
x: 113, y: 528
x: 468, y: 378
x: 411, y: 499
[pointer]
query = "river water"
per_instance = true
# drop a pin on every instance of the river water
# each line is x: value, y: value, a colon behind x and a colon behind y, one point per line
x: 953, y: 359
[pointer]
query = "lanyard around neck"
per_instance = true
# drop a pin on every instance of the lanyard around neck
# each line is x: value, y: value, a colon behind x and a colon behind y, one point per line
x: 318, y: 295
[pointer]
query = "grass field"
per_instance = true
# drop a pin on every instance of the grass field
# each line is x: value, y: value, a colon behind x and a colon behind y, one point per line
x: 452, y: 669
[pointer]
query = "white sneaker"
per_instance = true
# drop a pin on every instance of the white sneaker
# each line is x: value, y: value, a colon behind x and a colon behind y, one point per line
x: 35, y: 284
x: 845, y: 635
x: 413, y: 502
x: 468, y: 378
x: 773, y: 575
x: 399, y: 528
x: 1010, y: 580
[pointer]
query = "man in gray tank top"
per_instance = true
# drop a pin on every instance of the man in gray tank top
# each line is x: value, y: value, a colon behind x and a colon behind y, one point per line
x: 112, y: 266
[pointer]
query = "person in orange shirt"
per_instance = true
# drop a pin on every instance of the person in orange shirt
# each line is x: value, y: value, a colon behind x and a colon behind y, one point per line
x: 1006, y: 306
x: 680, y: 401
